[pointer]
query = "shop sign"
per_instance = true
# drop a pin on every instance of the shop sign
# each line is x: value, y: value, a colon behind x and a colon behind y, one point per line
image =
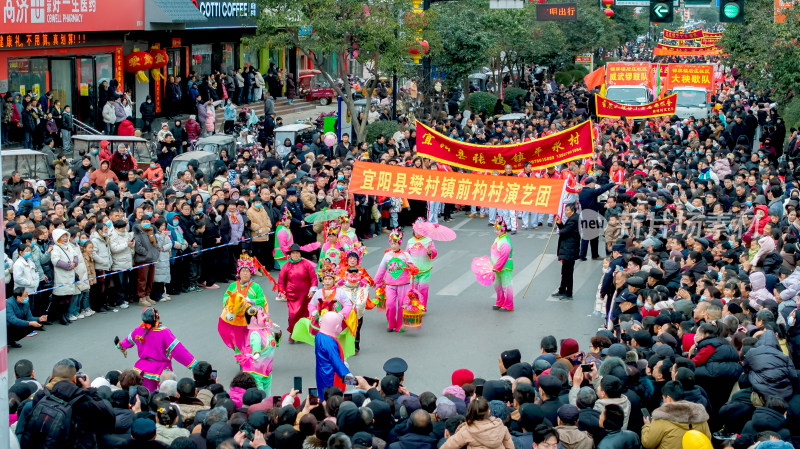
x: 23, y: 16
x: 41, y: 40
x: 226, y: 13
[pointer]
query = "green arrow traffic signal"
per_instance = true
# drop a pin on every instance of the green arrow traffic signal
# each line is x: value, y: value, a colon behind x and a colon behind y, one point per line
x: 661, y: 11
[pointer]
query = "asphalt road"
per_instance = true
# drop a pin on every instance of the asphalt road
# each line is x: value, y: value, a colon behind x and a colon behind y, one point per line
x: 460, y: 329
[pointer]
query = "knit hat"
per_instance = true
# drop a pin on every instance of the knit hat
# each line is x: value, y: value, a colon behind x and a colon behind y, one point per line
x: 568, y: 347
x: 462, y: 376
x: 445, y: 408
x: 143, y: 429
x: 456, y: 391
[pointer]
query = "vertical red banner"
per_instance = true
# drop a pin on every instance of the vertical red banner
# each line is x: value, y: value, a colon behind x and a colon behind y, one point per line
x: 118, y: 68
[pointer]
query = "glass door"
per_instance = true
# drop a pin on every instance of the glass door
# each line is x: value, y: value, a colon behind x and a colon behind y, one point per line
x: 87, y: 90
x: 174, y: 63
x: 62, y: 80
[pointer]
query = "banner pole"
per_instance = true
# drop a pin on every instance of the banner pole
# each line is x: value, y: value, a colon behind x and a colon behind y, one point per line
x: 540, y: 259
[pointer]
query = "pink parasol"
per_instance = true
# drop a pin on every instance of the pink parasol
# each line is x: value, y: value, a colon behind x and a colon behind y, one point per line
x: 435, y: 231
x: 483, y: 269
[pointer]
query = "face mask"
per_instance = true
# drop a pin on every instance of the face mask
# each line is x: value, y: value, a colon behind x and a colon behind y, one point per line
x: 790, y: 321
x: 218, y: 219
x: 340, y: 177
x: 647, y: 306
x: 340, y: 187
x: 152, y: 165
x: 110, y: 224
x: 749, y: 203
x: 146, y: 225
x: 639, y: 302
x: 148, y: 214
x: 320, y: 197
x: 83, y: 241
x: 77, y: 239
x: 175, y: 222
x: 257, y: 205
x: 95, y: 152
x: 26, y: 255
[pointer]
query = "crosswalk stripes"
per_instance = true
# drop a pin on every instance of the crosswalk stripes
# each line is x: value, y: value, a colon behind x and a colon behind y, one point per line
x: 522, y: 278
x: 458, y: 285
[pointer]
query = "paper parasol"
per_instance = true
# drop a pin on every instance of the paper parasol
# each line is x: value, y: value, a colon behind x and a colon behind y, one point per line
x: 325, y: 215
x: 435, y: 231
x: 482, y: 267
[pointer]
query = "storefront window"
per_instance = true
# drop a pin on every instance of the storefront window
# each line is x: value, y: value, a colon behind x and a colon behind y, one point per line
x: 105, y: 67
x: 250, y: 56
x: 227, y: 57
x: 174, y: 63
x: 201, y: 59
x: 27, y: 75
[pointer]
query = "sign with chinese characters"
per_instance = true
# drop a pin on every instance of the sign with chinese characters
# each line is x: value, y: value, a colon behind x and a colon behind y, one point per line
x: 556, y: 11
x: 540, y: 195
x: 42, y: 40
x: 673, y: 50
x: 697, y: 75
x: 586, y: 60
x: 709, y: 40
x: 57, y: 16
x: 681, y: 36
x: 608, y: 108
x: 627, y: 73
x: 227, y: 13
x: 570, y: 144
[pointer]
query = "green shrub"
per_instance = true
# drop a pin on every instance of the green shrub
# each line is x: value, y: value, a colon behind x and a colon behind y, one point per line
x: 511, y: 93
x: 568, y: 77
x: 385, y: 127
x: 483, y: 100
x: 791, y: 113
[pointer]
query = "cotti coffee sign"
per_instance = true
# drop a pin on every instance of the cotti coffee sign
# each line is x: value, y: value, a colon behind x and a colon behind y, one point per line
x: 222, y: 14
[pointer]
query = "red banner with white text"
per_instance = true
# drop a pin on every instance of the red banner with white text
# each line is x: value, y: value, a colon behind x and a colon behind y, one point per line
x: 570, y: 144
x: 682, y: 36
x: 658, y: 108
x: 675, y: 50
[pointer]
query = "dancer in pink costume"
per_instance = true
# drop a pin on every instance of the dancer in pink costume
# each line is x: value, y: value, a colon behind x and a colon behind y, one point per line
x: 396, y: 273
x: 422, y: 252
x: 257, y: 354
x: 501, y: 255
x: 157, y: 347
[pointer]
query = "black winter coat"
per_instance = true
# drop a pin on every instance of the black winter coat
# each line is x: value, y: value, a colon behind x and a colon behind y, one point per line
x: 769, y: 370
x: 737, y: 412
x: 723, y: 363
x: 793, y: 343
x: 569, y: 239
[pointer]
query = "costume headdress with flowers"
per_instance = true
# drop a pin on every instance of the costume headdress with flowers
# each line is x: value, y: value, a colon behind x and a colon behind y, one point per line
x: 500, y: 224
x: 286, y: 215
x: 345, y: 219
x: 328, y: 270
x: 332, y: 228
x: 396, y: 236
x: 245, y: 261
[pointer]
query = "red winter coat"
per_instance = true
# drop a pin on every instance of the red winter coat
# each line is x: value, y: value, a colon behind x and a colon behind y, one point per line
x: 154, y: 175
x: 105, y: 152
x: 125, y: 128
x: 192, y: 129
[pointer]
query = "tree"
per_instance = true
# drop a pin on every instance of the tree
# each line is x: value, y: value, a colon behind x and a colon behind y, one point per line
x: 768, y: 62
x: 376, y: 29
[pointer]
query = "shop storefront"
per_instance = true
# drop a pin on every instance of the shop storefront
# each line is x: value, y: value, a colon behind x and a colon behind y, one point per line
x: 65, y: 48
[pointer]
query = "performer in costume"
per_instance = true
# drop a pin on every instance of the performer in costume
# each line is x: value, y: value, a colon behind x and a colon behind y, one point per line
x: 284, y: 241
x: 331, y: 250
x: 422, y: 252
x: 257, y: 355
x: 156, y: 347
x: 353, y: 259
x: 232, y: 325
x: 297, y: 281
x: 396, y: 272
x: 501, y: 256
x: 347, y: 235
x: 326, y: 300
x: 356, y: 287
x: 331, y: 369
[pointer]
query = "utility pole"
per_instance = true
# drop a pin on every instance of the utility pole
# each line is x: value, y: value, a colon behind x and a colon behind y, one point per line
x: 425, y: 86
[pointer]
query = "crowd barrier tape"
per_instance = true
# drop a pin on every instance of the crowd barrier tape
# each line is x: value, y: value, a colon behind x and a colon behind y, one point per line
x: 171, y: 259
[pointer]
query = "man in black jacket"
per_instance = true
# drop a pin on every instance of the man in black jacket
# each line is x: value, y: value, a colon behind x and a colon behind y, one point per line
x: 569, y: 239
x: 90, y: 414
x: 588, y: 199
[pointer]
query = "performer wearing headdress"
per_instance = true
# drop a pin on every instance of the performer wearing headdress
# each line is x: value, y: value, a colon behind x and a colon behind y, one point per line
x: 232, y: 325
x: 396, y: 272
x: 156, y: 347
x: 355, y: 282
x: 501, y: 256
x: 331, y: 250
x: 284, y: 240
x: 347, y: 235
x: 257, y: 354
x: 422, y: 252
x: 352, y: 261
x: 329, y: 299
x: 297, y: 282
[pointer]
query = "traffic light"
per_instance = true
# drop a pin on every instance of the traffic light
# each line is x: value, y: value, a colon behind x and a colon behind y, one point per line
x: 731, y: 11
x: 661, y: 11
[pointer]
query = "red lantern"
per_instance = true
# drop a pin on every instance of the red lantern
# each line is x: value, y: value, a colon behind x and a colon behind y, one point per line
x: 609, y: 13
x: 417, y: 49
x: 416, y: 20
x: 608, y: 2
x: 425, y: 47
x: 137, y: 62
x: 160, y: 60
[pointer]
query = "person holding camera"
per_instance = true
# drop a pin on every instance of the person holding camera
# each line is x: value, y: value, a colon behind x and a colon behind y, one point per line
x: 19, y: 320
